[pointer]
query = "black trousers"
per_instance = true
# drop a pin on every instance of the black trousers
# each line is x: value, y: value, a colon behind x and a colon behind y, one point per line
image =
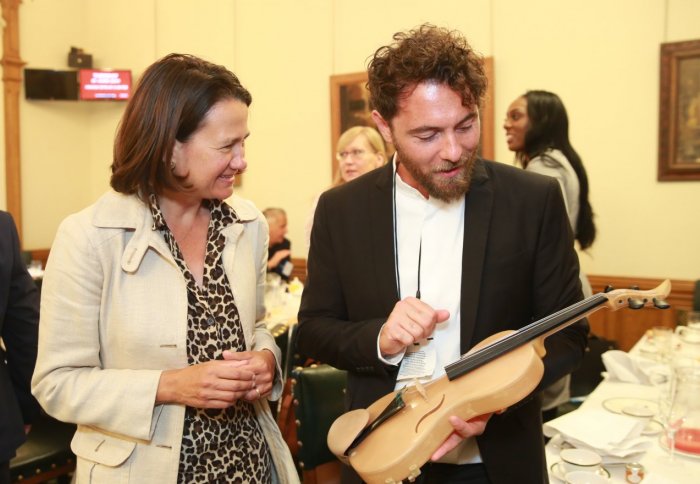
x: 5, y: 472
x: 432, y: 473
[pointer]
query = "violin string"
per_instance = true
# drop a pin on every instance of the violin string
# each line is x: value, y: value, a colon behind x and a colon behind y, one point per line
x: 525, y: 334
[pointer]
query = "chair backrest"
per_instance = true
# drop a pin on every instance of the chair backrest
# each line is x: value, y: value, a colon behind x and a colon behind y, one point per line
x: 319, y: 398
x: 46, y: 454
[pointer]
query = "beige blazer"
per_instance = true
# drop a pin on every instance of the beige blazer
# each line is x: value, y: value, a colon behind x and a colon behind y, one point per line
x: 114, y: 316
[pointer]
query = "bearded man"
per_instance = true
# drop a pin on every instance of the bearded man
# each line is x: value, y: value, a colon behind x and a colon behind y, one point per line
x: 414, y: 263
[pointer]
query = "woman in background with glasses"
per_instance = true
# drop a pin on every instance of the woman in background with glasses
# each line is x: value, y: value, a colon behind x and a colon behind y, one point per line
x: 360, y: 150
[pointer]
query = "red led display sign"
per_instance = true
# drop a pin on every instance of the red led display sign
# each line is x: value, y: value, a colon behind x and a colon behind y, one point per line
x: 96, y: 84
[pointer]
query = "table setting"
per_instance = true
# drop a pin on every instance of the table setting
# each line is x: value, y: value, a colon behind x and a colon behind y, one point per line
x: 282, y: 300
x: 643, y: 419
x: 36, y: 270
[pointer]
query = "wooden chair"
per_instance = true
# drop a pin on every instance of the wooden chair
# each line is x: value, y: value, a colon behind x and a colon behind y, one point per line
x: 286, y: 418
x: 319, y: 393
x: 46, y: 454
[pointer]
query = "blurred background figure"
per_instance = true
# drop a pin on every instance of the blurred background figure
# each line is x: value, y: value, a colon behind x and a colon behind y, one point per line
x: 19, y: 324
x: 279, y: 253
x: 537, y: 130
x: 360, y: 150
x: 142, y: 342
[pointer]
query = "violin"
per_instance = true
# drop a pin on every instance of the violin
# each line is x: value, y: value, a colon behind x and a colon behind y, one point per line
x: 391, y: 439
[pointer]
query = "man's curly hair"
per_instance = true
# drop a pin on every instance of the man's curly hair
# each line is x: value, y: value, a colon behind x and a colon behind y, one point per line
x: 428, y: 53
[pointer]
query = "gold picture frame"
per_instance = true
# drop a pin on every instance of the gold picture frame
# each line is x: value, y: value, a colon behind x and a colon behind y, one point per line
x: 350, y: 107
x: 679, y: 111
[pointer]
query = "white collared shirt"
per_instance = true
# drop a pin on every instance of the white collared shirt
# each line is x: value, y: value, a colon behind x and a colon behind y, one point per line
x: 439, y: 227
x: 435, y: 229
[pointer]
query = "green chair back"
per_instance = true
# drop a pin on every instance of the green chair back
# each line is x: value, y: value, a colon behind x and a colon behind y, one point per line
x: 319, y: 398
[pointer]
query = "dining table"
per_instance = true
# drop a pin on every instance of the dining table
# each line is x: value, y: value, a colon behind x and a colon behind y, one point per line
x: 282, y: 301
x: 613, y: 399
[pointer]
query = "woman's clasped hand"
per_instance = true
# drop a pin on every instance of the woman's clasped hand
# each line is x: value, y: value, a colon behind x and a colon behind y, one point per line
x: 246, y: 375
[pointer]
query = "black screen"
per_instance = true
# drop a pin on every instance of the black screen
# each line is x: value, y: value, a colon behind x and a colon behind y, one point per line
x: 49, y: 84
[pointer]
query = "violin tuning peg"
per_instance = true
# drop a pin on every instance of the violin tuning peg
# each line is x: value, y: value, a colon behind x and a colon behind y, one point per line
x: 660, y: 303
x: 608, y: 288
x: 634, y: 287
x: 635, y: 303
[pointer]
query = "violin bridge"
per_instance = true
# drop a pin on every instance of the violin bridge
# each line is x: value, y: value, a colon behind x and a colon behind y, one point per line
x: 421, y: 389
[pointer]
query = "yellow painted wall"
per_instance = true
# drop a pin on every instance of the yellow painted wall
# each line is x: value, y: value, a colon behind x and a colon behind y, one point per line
x: 601, y: 57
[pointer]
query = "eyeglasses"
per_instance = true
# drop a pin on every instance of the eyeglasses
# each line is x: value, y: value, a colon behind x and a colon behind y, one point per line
x: 354, y: 153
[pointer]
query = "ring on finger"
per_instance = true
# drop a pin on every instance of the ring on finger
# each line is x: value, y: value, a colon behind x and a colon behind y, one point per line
x: 258, y: 392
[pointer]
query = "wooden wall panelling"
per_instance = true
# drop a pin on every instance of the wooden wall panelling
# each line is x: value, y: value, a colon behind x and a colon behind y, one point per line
x: 624, y: 326
x: 40, y: 255
x: 299, y: 269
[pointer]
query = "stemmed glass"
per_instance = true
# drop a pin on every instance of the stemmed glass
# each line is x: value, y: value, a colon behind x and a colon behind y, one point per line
x: 673, y: 406
x: 662, y: 339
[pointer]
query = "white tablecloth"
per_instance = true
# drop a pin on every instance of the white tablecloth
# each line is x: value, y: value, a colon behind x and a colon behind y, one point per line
x: 658, y: 470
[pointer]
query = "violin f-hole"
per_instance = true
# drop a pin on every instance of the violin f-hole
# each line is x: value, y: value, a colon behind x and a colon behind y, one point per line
x: 430, y: 412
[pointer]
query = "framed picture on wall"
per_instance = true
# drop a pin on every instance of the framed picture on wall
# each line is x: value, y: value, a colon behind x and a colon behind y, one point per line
x: 350, y: 107
x: 679, y: 111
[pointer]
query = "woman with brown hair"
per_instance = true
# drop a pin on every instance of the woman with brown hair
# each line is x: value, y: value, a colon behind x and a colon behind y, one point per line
x: 152, y: 338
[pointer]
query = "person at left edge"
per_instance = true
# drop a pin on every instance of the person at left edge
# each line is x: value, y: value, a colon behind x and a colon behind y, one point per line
x: 19, y: 319
x: 151, y: 336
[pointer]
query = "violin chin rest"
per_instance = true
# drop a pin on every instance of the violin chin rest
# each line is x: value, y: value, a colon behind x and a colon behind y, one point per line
x: 344, y: 431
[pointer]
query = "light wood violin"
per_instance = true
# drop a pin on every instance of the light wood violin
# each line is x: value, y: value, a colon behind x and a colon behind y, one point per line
x: 391, y: 439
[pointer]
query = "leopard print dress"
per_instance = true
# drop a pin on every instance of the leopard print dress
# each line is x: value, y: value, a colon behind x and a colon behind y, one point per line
x: 218, y: 446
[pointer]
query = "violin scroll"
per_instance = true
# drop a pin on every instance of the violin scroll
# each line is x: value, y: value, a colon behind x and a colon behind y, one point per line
x: 636, y: 299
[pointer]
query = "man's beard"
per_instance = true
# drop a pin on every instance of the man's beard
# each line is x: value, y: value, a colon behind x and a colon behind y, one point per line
x: 442, y: 188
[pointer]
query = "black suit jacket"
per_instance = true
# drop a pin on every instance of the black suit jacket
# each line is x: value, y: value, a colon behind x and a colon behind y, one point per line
x: 19, y: 324
x: 519, y: 265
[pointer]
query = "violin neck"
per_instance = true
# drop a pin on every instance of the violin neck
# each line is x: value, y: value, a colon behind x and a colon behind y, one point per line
x: 549, y: 324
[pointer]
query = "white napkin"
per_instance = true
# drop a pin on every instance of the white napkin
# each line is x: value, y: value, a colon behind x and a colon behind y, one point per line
x: 35, y: 272
x: 613, y: 436
x: 626, y: 368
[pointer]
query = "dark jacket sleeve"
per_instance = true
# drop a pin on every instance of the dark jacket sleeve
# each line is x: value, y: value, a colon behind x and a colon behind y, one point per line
x: 326, y: 330
x: 20, y: 318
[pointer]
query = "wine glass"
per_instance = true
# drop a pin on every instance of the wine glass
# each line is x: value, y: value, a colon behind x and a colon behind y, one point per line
x: 688, y: 394
x: 673, y: 405
x: 662, y: 339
